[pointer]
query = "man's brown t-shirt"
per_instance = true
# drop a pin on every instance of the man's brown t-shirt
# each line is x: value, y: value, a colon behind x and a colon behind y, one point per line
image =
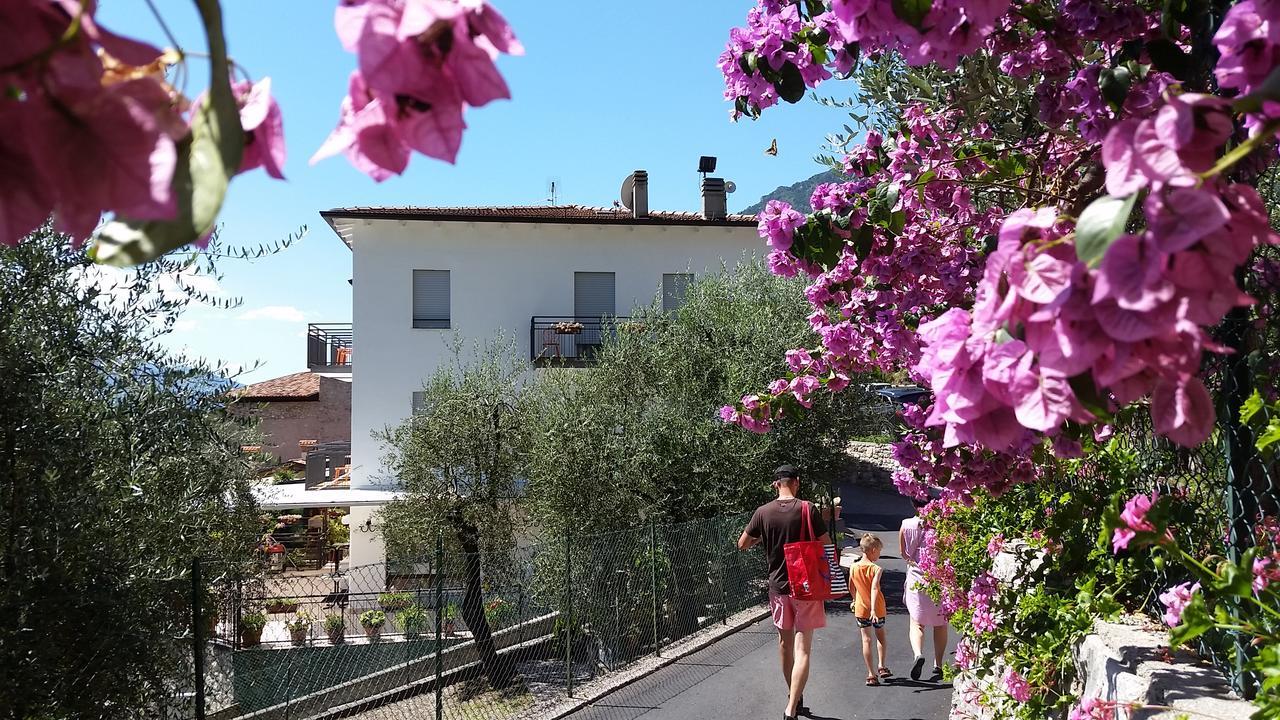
x: 777, y: 523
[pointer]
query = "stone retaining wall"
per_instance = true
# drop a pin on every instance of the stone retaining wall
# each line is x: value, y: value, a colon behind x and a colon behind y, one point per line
x: 871, y: 465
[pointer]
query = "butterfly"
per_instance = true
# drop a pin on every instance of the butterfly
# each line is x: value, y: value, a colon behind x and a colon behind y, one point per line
x: 773, y: 148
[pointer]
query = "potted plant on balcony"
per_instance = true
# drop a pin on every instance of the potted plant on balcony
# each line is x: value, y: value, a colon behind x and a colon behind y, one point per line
x: 299, y: 627
x: 567, y: 327
x: 395, y: 601
x: 372, y: 622
x: 413, y: 620
x: 283, y: 605
x: 251, y: 626
x: 335, y: 626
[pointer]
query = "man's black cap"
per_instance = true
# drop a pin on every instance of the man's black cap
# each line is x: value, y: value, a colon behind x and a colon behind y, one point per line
x: 786, y: 471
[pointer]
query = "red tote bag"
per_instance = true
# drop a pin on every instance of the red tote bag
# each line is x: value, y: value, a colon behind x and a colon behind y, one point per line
x: 808, y: 570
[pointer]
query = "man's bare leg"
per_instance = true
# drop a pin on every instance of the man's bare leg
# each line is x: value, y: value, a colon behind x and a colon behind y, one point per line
x: 787, y: 654
x: 800, y: 671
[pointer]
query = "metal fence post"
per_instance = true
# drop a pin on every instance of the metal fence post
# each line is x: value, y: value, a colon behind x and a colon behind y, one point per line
x: 724, y: 594
x: 653, y: 583
x: 568, y: 620
x: 1241, y: 506
x: 439, y: 568
x: 197, y: 635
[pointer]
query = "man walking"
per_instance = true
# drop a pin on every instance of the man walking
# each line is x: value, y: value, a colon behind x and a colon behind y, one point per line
x: 773, y: 525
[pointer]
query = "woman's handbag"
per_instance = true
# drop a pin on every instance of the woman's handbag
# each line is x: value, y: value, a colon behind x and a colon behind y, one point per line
x: 808, y: 569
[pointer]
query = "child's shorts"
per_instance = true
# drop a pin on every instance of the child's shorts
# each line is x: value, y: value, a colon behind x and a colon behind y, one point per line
x: 876, y: 623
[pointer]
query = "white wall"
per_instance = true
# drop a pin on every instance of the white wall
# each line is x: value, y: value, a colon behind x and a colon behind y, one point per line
x: 501, y: 274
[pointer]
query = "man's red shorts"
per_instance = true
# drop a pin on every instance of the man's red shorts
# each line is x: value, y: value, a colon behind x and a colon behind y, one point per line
x: 792, y: 614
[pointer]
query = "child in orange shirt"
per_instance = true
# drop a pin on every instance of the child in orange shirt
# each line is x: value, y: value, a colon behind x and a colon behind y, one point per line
x: 868, y: 606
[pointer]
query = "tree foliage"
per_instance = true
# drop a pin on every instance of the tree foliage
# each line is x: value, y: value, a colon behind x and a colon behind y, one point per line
x: 118, y: 463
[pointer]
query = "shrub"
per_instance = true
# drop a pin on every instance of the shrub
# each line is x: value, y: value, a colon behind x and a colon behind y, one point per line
x: 394, y: 601
x: 254, y: 621
x: 373, y: 619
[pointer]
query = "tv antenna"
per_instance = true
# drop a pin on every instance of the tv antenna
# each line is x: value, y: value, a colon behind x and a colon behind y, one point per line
x: 551, y: 192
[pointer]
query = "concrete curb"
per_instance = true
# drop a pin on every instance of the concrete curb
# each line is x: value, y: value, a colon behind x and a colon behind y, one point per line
x: 609, y: 684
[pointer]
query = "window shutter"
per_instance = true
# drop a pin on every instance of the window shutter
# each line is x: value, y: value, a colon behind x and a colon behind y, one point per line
x: 431, y: 298
x: 674, y: 288
x: 593, y: 294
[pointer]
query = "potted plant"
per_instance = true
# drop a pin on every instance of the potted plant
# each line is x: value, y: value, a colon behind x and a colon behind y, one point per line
x: 414, y: 620
x: 395, y: 601
x: 283, y: 605
x: 251, y: 626
x: 499, y: 613
x: 335, y: 626
x: 299, y: 627
x: 567, y: 328
x: 372, y: 622
x: 450, y: 615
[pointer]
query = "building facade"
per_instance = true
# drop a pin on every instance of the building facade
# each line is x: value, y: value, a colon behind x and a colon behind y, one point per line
x: 551, y: 279
x: 297, y: 410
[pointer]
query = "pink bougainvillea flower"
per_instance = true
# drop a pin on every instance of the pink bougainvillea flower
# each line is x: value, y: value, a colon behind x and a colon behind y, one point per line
x: 1180, y: 217
x: 1176, y: 599
x: 263, y: 126
x: 1182, y: 410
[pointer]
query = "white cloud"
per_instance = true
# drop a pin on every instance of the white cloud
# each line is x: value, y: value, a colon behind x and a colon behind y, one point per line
x: 184, y: 325
x: 283, y: 313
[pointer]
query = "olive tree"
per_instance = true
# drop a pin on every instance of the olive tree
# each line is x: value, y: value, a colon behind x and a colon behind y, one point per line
x: 118, y: 465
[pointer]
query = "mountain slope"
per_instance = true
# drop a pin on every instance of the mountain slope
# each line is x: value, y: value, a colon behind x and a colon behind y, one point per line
x: 797, y: 193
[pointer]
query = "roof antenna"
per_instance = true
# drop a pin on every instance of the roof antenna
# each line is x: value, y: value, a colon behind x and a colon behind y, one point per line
x: 551, y: 192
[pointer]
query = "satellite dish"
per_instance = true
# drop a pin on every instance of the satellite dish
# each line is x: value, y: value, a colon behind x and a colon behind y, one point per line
x: 730, y: 186
x: 628, y: 191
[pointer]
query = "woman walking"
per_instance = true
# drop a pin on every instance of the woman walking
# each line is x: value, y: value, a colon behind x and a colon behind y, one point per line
x: 923, y: 610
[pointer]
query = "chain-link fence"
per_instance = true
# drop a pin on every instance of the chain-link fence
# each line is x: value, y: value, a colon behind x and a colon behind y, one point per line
x: 516, y: 633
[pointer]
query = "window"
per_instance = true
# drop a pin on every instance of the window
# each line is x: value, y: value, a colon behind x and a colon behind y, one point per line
x: 419, y: 401
x: 674, y: 288
x: 593, y: 294
x: 431, y: 298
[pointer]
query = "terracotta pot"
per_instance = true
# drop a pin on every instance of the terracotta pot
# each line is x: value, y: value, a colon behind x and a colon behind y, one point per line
x: 337, y: 638
x: 373, y: 633
x: 298, y: 635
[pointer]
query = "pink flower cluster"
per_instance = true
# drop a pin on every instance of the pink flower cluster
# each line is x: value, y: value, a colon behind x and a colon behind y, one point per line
x: 1016, y: 685
x: 1093, y: 709
x: 965, y: 654
x: 1248, y: 42
x: 981, y: 594
x: 420, y: 63
x: 775, y: 40
x: 1135, y: 521
x: 89, y: 124
x: 926, y: 462
x: 1176, y: 599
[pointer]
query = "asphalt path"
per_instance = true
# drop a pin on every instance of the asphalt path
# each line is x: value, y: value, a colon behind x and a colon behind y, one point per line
x: 739, y: 676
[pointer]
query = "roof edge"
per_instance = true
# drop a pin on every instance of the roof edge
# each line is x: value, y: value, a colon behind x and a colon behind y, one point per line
x: 400, y: 214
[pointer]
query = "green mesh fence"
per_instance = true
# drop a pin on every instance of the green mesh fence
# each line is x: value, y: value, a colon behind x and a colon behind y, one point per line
x: 517, y: 633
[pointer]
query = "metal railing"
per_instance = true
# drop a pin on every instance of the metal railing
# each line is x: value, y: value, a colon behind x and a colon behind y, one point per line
x: 572, y: 339
x: 329, y: 346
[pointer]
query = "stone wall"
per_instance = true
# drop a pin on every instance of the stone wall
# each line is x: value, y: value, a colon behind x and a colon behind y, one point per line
x: 871, y: 464
x: 284, y: 423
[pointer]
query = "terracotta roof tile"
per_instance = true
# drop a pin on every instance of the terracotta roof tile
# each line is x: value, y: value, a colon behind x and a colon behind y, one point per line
x: 298, y: 386
x: 535, y: 213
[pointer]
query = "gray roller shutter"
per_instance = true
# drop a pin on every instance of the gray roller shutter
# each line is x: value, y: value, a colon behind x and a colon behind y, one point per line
x: 593, y: 294
x: 674, y: 288
x: 431, y: 298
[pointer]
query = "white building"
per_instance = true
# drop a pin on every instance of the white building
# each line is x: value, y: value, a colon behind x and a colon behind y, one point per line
x: 422, y: 275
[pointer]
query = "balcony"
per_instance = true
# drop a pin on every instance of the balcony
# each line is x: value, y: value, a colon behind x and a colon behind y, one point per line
x: 569, y: 340
x: 329, y: 347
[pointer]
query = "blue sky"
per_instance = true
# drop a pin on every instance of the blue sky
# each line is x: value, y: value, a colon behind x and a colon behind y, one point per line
x: 604, y: 88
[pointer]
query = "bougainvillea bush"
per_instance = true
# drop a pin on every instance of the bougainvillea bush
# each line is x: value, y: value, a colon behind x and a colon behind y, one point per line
x: 1049, y: 219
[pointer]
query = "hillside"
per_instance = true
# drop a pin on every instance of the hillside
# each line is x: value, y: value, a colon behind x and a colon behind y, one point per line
x: 797, y: 194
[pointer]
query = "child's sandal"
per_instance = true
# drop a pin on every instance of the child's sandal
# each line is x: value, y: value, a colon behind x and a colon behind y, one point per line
x: 872, y: 681
x: 886, y: 672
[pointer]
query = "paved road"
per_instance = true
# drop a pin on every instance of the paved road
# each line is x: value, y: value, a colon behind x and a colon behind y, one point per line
x: 739, y: 678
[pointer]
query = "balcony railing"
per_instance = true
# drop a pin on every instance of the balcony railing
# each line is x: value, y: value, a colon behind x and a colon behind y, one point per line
x: 569, y: 339
x: 329, y: 347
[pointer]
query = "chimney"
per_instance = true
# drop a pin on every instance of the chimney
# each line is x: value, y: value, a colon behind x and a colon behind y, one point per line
x: 640, y: 194
x: 715, y: 203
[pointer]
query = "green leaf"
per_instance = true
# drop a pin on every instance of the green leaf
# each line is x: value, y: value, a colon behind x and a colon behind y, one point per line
x: 1114, y: 84
x: 1236, y: 580
x: 920, y: 84
x: 1250, y: 407
x: 1099, y: 226
x: 791, y: 85
x: 207, y: 159
x: 1087, y: 393
x: 1270, y: 437
x: 912, y: 12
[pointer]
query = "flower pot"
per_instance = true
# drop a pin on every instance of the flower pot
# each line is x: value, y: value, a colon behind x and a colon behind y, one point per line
x: 250, y: 638
x: 337, y: 637
x: 449, y: 627
x: 373, y: 633
x: 298, y: 636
